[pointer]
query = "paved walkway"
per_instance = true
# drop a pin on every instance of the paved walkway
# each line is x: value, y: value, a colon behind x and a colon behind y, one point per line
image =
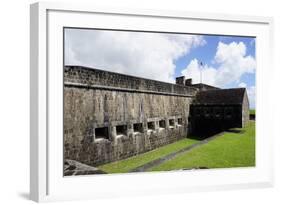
x: 161, y: 160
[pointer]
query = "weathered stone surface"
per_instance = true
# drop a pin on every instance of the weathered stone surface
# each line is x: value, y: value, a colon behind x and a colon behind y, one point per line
x: 90, y: 112
x: 89, y: 76
x: 245, y: 110
x: 110, y: 116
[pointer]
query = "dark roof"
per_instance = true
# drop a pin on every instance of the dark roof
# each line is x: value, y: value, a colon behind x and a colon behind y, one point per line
x: 204, y: 86
x: 220, y: 96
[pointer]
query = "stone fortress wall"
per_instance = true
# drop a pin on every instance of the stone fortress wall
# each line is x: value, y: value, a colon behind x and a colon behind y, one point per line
x: 110, y: 116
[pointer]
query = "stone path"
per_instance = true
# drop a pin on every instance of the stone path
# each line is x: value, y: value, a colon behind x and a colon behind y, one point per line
x: 161, y: 160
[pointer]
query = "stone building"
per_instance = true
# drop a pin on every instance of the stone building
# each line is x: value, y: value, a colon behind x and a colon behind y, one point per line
x: 110, y: 116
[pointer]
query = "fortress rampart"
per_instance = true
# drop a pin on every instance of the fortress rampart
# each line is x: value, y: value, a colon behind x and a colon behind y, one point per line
x: 110, y: 116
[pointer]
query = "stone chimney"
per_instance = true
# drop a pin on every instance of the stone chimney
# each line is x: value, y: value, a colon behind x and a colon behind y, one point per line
x: 180, y: 80
x: 188, y: 82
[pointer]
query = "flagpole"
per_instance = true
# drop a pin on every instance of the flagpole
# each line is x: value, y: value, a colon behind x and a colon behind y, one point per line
x: 200, y: 74
x: 201, y: 68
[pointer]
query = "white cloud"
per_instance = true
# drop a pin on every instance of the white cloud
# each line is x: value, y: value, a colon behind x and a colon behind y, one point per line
x: 150, y: 55
x: 242, y: 85
x: 193, y: 71
x: 231, y: 63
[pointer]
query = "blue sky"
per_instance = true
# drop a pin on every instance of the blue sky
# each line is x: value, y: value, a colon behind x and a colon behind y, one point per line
x: 229, y: 61
x: 207, y: 52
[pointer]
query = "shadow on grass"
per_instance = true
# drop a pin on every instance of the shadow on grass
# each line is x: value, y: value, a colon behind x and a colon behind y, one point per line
x: 205, y: 134
x: 236, y: 131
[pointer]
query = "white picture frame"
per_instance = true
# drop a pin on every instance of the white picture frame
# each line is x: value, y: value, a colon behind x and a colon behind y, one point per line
x: 46, y: 174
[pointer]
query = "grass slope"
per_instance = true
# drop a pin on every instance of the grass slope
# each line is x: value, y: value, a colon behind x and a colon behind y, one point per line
x: 229, y: 150
x: 252, y: 112
x: 136, y: 161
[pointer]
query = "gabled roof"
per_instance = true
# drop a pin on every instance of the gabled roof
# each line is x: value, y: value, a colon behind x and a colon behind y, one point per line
x: 220, y: 96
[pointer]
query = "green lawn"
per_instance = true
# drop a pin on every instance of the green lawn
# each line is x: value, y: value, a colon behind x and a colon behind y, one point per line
x: 133, y: 162
x: 229, y: 150
x: 252, y: 112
